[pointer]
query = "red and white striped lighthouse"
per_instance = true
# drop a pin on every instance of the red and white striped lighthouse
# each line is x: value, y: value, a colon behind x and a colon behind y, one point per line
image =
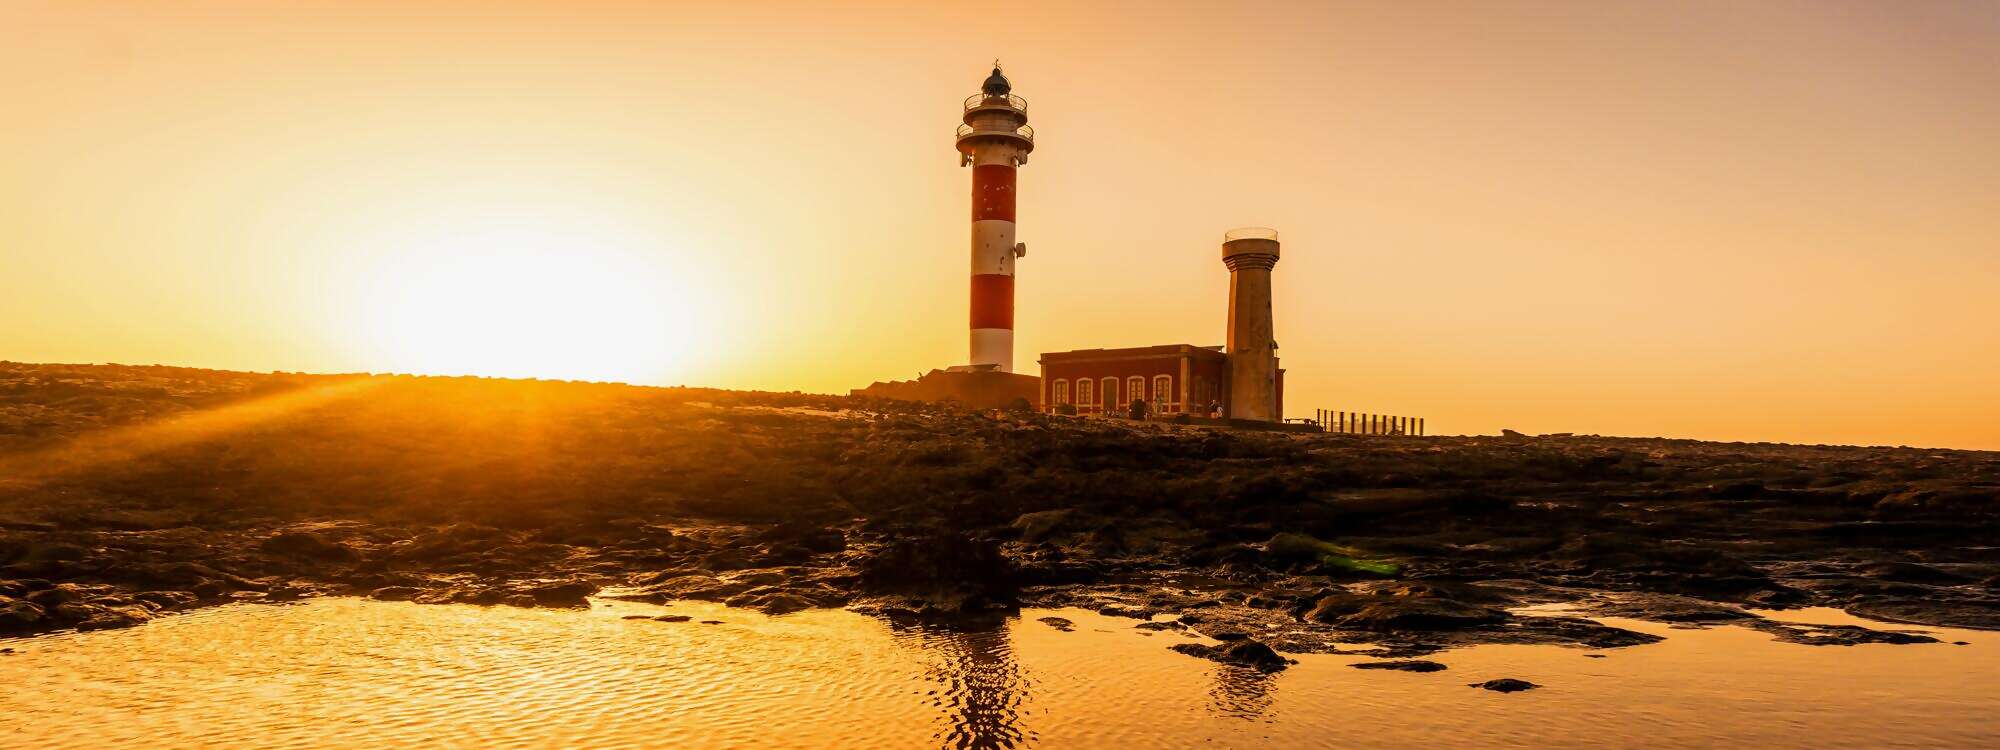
x: 994, y: 141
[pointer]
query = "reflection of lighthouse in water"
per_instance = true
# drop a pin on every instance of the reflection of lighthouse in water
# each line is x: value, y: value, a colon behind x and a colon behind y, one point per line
x: 994, y: 141
x: 981, y: 690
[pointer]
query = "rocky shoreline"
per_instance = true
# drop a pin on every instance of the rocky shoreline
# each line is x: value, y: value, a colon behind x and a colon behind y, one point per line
x: 201, y: 488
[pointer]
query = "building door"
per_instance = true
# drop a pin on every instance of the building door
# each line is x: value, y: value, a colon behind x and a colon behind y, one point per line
x: 1084, y: 396
x: 1112, y: 404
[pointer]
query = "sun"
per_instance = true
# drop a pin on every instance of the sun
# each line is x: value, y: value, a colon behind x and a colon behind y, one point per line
x: 544, y: 304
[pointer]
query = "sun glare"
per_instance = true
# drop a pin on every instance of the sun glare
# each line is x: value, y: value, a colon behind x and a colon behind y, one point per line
x: 533, y: 304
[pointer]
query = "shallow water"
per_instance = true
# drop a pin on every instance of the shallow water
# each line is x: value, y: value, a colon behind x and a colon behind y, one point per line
x: 365, y: 673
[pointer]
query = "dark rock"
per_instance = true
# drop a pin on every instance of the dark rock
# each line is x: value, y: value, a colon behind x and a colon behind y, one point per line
x: 308, y: 545
x: 1669, y: 608
x: 211, y: 589
x: 673, y: 618
x: 809, y: 536
x: 571, y: 593
x: 1243, y: 653
x: 1505, y: 685
x: 773, y: 603
x: 485, y: 596
x: 520, y: 600
x: 1137, y: 613
x: 452, y: 541
x: 109, y: 618
x: 167, y: 599
x: 1058, y: 573
x: 783, y: 553
x: 727, y: 559
x: 945, y: 572
x: 17, y: 615
x: 1813, y: 634
x: 1059, y: 623
x: 1907, y: 572
x: 395, y: 593
x: 1402, y: 665
x: 1391, y: 613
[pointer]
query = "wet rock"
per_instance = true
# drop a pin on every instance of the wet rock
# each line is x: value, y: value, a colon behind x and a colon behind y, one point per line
x: 17, y: 615
x: 672, y: 618
x: 1242, y: 653
x: 1401, y: 665
x: 1813, y: 634
x: 1908, y: 572
x: 520, y: 600
x: 1042, y: 525
x: 1504, y: 685
x: 944, y: 572
x: 1669, y: 608
x: 452, y: 541
x: 758, y: 578
x: 727, y: 559
x: 1563, y: 631
x: 571, y: 593
x: 781, y: 603
x: 1060, y: 623
x: 1160, y: 625
x: 60, y: 594
x: 485, y: 596
x: 782, y: 553
x: 109, y: 618
x: 1115, y: 610
x: 211, y: 589
x: 1938, y: 611
x: 808, y: 536
x: 695, y: 586
x: 1392, y: 613
x: 308, y: 545
x: 395, y: 593
x: 1058, y: 572
x: 167, y: 599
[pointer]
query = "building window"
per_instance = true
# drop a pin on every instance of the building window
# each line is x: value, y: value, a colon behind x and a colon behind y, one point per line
x: 1163, y: 394
x: 1109, y: 391
x: 1084, y: 398
x: 1135, y: 390
x: 1061, y: 394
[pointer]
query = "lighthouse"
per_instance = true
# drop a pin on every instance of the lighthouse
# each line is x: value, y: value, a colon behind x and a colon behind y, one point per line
x: 1254, y: 380
x: 995, y: 141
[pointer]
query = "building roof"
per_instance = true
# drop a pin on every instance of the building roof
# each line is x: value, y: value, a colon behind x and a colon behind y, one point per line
x: 1136, y: 352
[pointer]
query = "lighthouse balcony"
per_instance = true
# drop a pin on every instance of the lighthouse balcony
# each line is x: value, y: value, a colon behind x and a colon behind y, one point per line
x: 1022, y: 132
x: 1003, y: 101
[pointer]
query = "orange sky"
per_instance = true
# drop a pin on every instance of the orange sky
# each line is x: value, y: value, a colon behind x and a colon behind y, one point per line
x: 1729, y: 220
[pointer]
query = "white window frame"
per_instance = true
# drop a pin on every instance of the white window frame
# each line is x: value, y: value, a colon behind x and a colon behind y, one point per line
x: 1060, y: 394
x: 1163, y: 394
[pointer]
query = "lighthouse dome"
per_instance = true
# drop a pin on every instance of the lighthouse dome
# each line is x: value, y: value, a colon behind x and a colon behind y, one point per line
x: 996, y: 84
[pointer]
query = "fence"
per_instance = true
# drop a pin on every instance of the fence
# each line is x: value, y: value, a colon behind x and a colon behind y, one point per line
x: 1357, y: 423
